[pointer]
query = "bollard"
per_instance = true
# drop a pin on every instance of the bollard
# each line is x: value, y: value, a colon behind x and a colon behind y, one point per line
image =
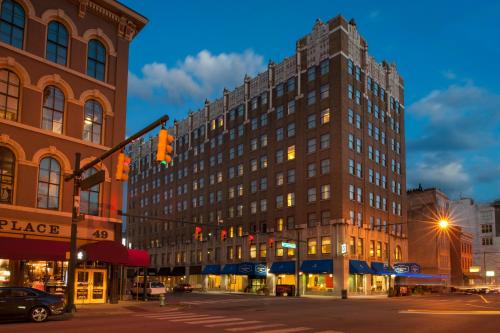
x: 162, y: 299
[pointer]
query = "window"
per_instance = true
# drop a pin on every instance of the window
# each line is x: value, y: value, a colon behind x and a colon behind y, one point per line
x: 279, y: 134
x: 372, y: 248
x: 311, y: 170
x: 325, y: 166
x: 350, y: 116
x: 311, y: 194
x: 279, y: 156
x: 89, y: 200
x: 311, y: 145
x: 291, y: 152
x: 398, y: 254
x: 253, y: 251
x: 486, y: 228
x: 279, y: 224
x: 279, y: 201
x: 325, y: 217
x: 53, y: 109
x: 324, y: 91
x: 325, y: 192
x: 291, y: 130
x: 279, y: 90
x: 350, y: 141
x: 351, y: 192
x: 326, y: 245
x: 324, y: 67
x: 96, y: 60
x: 311, y: 74
x: 290, y: 199
x: 57, y: 43
x: 349, y: 66
x: 290, y: 222
x: 324, y: 141
x: 7, y: 168
x: 290, y: 179
x: 325, y: 116
x: 92, y: 122
x: 311, y: 121
x: 279, y: 179
x: 9, y: 92
x: 311, y: 219
x: 262, y: 250
x: 360, y: 247
x: 291, y: 107
x: 263, y: 205
x: 311, y: 246
x: 12, y: 23
x: 279, y: 249
x: 352, y: 245
x: 349, y: 91
x: 49, y: 180
x: 311, y: 97
x: 279, y: 112
x: 291, y: 84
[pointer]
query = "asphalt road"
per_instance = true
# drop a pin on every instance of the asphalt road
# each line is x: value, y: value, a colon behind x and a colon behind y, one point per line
x: 236, y: 313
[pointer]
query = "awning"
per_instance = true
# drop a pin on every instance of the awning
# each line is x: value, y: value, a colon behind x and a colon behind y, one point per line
x: 211, y: 269
x: 317, y: 266
x: 32, y: 249
x: 164, y: 271
x: 252, y: 269
x: 112, y: 252
x: 137, y: 258
x: 178, y: 271
x: 283, y: 267
x: 380, y: 268
x: 422, y: 276
x: 194, y: 270
x: 230, y: 269
x: 359, y: 267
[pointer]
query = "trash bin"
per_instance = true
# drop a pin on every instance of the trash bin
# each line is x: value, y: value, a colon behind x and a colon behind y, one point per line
x: 344, y: 293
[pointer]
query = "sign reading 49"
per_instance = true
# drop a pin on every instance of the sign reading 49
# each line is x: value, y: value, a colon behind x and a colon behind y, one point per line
x: 101, y: 234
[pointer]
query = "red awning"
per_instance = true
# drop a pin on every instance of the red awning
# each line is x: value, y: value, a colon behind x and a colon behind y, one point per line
x: 106, y: 251
x: 138, y: 258
x: 32, y: 249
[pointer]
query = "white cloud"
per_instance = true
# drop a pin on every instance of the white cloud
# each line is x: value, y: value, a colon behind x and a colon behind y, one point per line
x: 195, y: 78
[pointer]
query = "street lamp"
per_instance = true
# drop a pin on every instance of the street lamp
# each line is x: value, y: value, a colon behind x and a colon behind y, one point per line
x: 443, y: 223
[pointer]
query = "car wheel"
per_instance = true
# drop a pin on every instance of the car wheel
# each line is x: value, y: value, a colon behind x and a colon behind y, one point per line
x: 39, y: 314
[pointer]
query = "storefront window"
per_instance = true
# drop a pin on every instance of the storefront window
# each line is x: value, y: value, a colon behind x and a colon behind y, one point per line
x: 319, y: 283
x: 4, y: 273
x: 379, y: 284
x: 356, y: 283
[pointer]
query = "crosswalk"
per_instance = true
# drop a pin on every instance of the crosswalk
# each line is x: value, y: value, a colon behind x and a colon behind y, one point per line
x: 227, y: 323
x: 224, y: 300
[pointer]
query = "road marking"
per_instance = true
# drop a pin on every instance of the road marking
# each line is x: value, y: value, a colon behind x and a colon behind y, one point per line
x: 191, y: 316
x: 484, y: 299
x: 248, y: 328
x: 453, y: 312
x: 194, y: 318
x: 287, y: 330
x: 234, y: 324
x: 152, y: 315
x: 213, y: 321
x: 330, y: 332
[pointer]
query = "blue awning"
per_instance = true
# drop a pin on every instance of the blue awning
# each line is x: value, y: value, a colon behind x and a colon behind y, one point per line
x: 382, y: 269
x: 252, y: 269
x: 211, y: 269
x: 230, y: 269
x: 317, y: 266
x: 283, y: 267
x: 359, y: 267
x: 422, y: 276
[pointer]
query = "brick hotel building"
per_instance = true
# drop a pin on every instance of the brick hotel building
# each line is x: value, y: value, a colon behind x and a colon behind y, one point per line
x: 63, y: 88
x: 311, y: 149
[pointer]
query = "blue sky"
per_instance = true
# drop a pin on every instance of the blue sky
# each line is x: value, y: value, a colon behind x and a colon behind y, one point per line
x: 447, y: 52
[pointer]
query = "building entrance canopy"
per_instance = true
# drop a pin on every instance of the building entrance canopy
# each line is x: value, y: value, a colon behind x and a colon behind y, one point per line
x: 317, y: 266
x: 211, y: 270
x: 359, y: 267
x: 283, y: 267
x: 32, y: 249
x: 380, y: 268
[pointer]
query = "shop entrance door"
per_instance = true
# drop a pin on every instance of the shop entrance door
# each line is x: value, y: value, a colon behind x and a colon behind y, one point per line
x: 90, y: 286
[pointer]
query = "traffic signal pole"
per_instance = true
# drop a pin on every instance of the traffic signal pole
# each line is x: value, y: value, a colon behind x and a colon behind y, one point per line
x: 76, y: 217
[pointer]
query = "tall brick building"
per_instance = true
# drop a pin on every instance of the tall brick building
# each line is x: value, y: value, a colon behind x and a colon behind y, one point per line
x: 312, y: 148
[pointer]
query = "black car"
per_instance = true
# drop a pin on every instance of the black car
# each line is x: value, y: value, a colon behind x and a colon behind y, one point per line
x: 29, y: 303
x: 183, y: 287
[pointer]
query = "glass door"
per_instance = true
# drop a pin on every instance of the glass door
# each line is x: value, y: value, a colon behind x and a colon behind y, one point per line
x: 90, y: 286
x: 98, y: 292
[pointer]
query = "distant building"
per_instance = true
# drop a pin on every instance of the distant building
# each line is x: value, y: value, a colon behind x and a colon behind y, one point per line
x: 312, y: 148
x: 461, y: 257
x: 483, y: 222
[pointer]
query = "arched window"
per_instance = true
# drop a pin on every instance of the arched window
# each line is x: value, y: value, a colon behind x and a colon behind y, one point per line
x: 96, y: 60
x: 12, y: 23
x: 49, y: 182
x: 53, y: 109
x: 89, y: 200
x: 7, y: 168
x: 9, y: 94
x: 57, y: 43
x: 92, y: 121
x: 397, y: 253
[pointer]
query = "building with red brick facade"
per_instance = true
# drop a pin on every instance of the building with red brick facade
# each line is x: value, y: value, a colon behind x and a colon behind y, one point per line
x: 63, y: 87
x: 310, y: 152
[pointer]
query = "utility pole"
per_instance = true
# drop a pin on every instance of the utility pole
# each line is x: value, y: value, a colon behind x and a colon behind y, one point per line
x: 297, y: 269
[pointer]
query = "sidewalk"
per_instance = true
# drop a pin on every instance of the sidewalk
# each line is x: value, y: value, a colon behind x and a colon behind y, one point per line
x: 123, y: 307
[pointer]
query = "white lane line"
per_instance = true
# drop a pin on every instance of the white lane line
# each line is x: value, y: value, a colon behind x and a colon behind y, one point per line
x: 234, y: 324
x: 196, y: 318
x: 484, y: 299
x: 152, y: 315
x: 213, y: 321
x: 248, y: 328
x: 181, y: 317
x: 287, y: 330
x: 452, y: 312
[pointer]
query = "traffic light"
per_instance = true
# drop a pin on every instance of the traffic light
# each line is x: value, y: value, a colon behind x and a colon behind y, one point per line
x: 270, y: 242
x: 250, y: 238
x: 122, y: 167
x: 223, y: 234
x: 197, y: 233
x: 164, y: 148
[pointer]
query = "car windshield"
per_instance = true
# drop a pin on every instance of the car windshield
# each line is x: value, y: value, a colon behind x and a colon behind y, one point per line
x: 157, y: 285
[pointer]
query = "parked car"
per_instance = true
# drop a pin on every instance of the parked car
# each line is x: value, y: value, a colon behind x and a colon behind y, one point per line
x: 29, y: 303
x: 183, y: 287
x: 152, y: 289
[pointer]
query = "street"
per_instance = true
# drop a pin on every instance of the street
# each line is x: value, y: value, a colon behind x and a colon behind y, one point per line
x: 248, y: 313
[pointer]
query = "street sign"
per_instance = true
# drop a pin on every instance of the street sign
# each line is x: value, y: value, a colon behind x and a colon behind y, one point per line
x: 343, y: 248
x: 289, y: 245
x: 93, y: 180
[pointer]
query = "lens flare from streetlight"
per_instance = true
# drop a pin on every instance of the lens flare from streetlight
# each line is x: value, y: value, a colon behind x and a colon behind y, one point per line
x: 443, y: 223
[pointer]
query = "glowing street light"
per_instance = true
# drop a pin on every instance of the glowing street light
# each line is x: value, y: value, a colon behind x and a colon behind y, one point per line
x: 443, y: 223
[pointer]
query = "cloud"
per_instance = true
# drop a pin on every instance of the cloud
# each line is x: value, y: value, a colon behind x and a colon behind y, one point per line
x: 195, y: 78
x: 461, y: 117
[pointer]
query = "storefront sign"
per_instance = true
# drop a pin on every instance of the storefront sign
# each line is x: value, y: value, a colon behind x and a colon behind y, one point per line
x: 407, y: 268
x: 289, y: 245
x: 490, y: 273
x: 474, y: 269
x: 343, y: 248
x: 86, y: 229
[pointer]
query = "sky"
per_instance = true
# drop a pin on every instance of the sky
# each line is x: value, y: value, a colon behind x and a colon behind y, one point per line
x: 448, y: 53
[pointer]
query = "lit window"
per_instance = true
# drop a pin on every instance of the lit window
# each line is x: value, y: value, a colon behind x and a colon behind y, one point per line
x: 49, y: 182
x: 279, y: 224
x: 291, y: 152
x: 326, y: 245
x: 311, y: 246
x: 92, y: 122
x: 9, y: 92
x: 7, y: 169
x: 253, y: 251
x: 290, y: 199
x: 325, y: 116
x: 325, y: 192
